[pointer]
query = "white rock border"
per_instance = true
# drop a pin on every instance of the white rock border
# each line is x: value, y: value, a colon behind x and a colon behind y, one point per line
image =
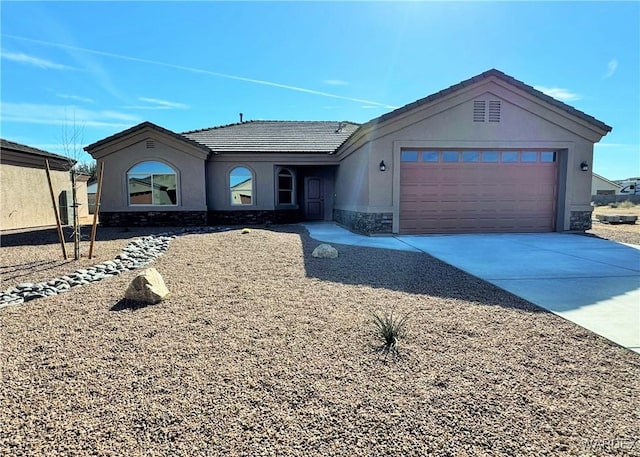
x: 137, y: 254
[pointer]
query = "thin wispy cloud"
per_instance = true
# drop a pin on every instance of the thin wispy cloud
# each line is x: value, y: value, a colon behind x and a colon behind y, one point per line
x: 156, y: 103
x: 33, y: 61
x: 77, y: 98
x: 33, y: 113
x: 202, y: 71
x: 612, y: 66
x: 558, y: 93
x: 335, y: 82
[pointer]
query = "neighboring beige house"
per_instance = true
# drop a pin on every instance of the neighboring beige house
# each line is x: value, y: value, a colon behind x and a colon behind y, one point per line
x: 25, y: 199
x: 490, y: 154
x: 602, y: 186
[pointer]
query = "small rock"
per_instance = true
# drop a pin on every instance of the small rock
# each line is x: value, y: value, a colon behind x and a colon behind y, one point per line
x: 325, y: 251
x: 148, y: 287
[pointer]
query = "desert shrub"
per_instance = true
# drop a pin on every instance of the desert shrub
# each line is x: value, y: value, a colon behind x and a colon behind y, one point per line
x: 626, y: 204
x: 613, y: 205
x: 389, y: 329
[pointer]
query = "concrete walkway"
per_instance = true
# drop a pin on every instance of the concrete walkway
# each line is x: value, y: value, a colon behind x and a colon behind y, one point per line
x: 592, y: 282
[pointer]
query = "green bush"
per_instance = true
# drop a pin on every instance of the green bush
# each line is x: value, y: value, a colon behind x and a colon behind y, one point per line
x: 389, y: 329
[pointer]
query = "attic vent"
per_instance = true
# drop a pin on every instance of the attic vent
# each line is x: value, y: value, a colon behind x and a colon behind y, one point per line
x: 340, y: 128
x: 494, y: 110
x: 478, y: 110
x: 151, y: 144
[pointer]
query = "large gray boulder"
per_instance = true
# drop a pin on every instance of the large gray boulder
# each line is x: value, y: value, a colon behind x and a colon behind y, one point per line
x: 325, y: 251
x: 148, y: 288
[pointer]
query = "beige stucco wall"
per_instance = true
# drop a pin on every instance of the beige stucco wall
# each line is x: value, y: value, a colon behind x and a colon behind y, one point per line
x: 352, y: 181
x: 190, y: 172
x: 82, y: 198
x: 264, y: 168
x: 25, y: 199
x: 598, y: 183
x: 449, y: 124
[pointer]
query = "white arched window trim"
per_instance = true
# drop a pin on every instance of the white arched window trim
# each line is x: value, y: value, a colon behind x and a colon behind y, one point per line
x: 152, y: 183
x: 242, y: 186
x: 285, y: 187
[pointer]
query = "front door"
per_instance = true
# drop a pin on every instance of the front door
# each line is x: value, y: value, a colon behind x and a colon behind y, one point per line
x: 314, y: 198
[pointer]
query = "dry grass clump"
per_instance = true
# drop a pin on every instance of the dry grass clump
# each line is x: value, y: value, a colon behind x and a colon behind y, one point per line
x: 262, y: 349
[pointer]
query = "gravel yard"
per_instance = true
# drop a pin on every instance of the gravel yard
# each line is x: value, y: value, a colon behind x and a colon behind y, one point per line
x: 622, y: 233
x: 263, y: 350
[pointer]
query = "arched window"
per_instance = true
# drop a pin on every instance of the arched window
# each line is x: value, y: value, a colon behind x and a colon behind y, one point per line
x: 241, y: 186
x: 285, y: 187
x: 152, y: 183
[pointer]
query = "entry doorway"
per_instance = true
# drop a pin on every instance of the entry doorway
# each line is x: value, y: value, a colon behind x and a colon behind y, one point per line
x: 314, y: 198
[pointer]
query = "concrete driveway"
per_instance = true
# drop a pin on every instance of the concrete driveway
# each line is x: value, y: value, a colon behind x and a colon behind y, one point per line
x: 592, y: 282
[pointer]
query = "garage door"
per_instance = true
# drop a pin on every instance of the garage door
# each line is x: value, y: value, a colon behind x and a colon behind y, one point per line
x: 477, y: 191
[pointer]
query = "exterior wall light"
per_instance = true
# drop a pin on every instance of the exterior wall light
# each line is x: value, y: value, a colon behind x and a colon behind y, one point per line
x: 383, y: 167
x: 584, y: 166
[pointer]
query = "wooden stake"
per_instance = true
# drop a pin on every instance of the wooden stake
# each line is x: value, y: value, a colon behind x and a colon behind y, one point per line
x: 96, y: 210
x: 55, y: 210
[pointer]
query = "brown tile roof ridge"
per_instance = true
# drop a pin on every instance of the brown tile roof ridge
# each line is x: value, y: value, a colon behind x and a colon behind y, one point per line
x: 265, y: 121
x: 140, y: 126
x: 19, y: 147
x: 500, y: 75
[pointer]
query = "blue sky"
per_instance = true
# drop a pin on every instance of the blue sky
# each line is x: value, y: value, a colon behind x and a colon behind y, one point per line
x: 191, y: 65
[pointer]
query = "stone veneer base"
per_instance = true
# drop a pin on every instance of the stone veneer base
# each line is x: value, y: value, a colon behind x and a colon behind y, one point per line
x: 153, y: 218
x: 580, y: 221
x: 366, y: 223
x: 254, y: 217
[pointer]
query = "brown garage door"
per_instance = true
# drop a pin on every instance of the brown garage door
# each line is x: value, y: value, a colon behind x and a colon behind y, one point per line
x: 477, y: 191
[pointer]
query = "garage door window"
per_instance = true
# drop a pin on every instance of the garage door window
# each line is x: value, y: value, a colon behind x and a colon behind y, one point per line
x: 470, y: 156
x: 490, y: 156
x: 450, y: 156
x: 409, y: 156
x: 510, y: 156
x: 430, y: 156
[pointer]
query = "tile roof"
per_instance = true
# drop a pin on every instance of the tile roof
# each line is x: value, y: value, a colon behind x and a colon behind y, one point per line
x: 141, y: 126
x: 504, y: 77
x: 275, y: 136
x: 23, y: 148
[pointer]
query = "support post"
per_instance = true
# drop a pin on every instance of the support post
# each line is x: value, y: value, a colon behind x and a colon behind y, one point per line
x: 76, y: 220
x: 96, y: 210
x: 55, y: 210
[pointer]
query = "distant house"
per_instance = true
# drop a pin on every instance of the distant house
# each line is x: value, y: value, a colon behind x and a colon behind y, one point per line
x: 25, y: 199
x: 490, y: 154
x: 602, y: 186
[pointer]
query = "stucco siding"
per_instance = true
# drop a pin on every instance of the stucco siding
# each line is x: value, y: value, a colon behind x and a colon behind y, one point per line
x: 190, y: 172
x: 25, y: 198
x: 454, y: 128
x: 353, y: 180
x: 219, y: 191
x: 600, y: 184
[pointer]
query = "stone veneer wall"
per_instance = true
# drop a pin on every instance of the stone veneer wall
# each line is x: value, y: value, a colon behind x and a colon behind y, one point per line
x: 580, y: 221
x: 153, y: 218
x: 254, y: 217
x: 367, y: 223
